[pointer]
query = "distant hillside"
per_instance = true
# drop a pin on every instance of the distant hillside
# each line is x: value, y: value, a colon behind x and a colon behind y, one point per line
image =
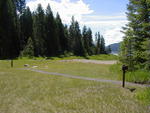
x: 115, y: 48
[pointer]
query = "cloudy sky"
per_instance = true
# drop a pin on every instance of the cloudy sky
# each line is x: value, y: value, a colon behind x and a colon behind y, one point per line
x: 106, y: 16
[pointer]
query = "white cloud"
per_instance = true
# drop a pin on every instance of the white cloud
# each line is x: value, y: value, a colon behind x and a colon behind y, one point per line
x: 104, y: 17
x: 66, y: 8
x: 109, y: 26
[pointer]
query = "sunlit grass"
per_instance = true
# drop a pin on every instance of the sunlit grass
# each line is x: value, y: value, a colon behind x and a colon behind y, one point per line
x: 73, y: 68
x: 104, y: 57
x: 24, y: 91
x: 62, y: 57
x: 29, y: 92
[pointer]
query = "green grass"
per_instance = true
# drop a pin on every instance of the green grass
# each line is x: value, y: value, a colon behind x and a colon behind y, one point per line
x: 103, y: 71
x: 62, y: 57
x: 139, y: 76
x: 73, y: 68
x: 24, y: 91
x: 103, y: 57
x: 144, y: 96
x: 29, y: 92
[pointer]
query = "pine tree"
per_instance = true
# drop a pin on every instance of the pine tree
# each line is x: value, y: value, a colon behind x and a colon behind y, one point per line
x: 8, y: 30
x: 87, y: 39
x: 78, y: 48
x: 61, y: 34
x: 66, y: 32
x: 98, y: 43
x: 72, y: 35
x: 76, y: 40
x: 29, y: 49
x: 39, y: 31
x: 137, y: 31
x: 52, y: 41
x: 91, y: 43
x: 147, y: 53
x: 26, y: 25
x: 102, y: 45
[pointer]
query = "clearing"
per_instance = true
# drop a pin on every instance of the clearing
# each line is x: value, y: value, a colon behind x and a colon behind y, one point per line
x: 23, y: 91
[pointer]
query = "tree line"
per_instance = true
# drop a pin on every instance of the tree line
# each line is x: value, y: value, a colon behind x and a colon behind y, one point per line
x: 135, y: 48
x: 40, y: 33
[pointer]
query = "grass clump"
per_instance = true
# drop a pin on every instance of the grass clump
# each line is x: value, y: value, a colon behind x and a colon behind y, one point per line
x: 103, y: 57
x: 69, y: 56
x: 144, y: 96
x: 139, y: 76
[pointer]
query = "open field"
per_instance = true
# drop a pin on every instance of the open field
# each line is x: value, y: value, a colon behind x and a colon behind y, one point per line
x: 66, y: 57
x: 23, y: 91
x: 73, y: 68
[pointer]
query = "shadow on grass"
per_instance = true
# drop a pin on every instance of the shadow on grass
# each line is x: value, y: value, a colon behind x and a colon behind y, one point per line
x: 131, y: 89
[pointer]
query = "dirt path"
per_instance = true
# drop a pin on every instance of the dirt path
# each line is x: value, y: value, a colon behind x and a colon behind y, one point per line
x: 91, y: 61
x: 85, y: 78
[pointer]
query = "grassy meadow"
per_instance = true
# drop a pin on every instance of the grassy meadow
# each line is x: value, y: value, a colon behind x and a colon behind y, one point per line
x: 23, y: 91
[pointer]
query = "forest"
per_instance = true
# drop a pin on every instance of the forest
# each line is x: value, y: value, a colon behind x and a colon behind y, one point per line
x: 40, y: 33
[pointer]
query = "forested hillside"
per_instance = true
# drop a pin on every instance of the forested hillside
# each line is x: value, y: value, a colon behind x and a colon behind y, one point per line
x: 40, y: 33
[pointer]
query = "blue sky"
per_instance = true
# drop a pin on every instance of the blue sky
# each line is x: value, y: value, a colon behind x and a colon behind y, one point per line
x: 107, y: 7
x: 106, y: 16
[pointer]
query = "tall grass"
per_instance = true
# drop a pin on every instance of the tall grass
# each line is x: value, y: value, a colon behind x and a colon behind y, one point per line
x: 103, y: 57
x: 23, y: 91
x: 144, y: 96
x: 139, y: 76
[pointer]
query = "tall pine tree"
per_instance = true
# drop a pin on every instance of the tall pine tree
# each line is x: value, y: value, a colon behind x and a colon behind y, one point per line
x: 8, y: 30
x: 39, y: 31
x: 26, y: 25
x: 136, y: 33
x: 52, y: 39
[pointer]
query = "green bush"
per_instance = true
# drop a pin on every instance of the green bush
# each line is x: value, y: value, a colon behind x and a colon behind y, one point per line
x: 103, y: 57
x: 139, y: 76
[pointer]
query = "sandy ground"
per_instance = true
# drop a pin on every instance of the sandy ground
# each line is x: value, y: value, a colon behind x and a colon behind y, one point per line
x: 91, y: 61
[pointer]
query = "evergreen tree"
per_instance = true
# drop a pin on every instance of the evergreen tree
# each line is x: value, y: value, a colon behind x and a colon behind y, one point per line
x: 8, y: 30
x: 78, y: 48
x: 29, y: 49
x: 26, y: 25
x: 137, y: 31
x: 98, y: 43
x: 76, y: 40
x: 85, y: 39
x: 61, y: 34
x: 91, y: 43
x: 72, y: 35
x: 88, y: 41
x: 102, y: 45
x: 39, y: 31
x: 52, y: 41
x: 66, y: 32
x: 147, y: 53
